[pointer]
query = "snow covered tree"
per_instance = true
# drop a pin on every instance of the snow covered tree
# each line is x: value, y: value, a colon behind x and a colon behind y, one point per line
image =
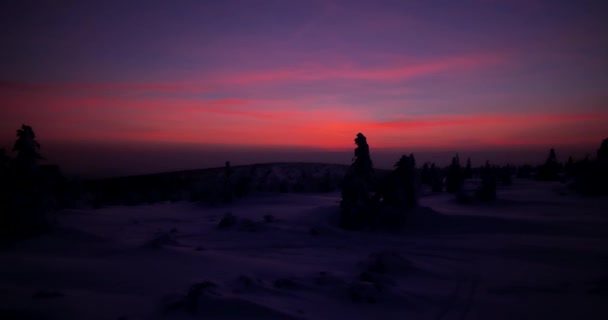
x: 405, y: 181
x: 356, y: 187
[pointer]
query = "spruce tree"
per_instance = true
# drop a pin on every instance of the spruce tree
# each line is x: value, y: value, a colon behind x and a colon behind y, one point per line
x: 454, y: 179
x: 550, y: 170
x: 356, y: 187
x: 405, y: 181
x: 27, y: 148
x: 24, y: 209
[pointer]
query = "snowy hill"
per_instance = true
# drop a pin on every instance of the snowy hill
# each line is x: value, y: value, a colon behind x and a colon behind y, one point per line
x: 534, y: 254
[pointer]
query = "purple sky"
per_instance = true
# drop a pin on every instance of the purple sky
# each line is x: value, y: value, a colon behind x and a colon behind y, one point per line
x: 257, y: 75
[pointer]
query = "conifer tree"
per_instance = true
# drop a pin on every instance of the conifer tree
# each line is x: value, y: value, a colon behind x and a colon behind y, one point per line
x: 454, y: 179
x: 550, y: 170
x: 405, y: 181
x: 356, y: 201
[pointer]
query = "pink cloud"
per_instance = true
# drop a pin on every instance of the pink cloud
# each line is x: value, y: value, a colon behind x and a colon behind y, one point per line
x: 395, y: 71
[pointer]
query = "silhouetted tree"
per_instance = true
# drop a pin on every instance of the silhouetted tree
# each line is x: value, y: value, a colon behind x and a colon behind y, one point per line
x: 406, y: 172
x: 468, y: 171
x: 27, y: 148
x: 454, y: 180
x: 362, y: 162
x: 400, y: 188
x: 487, y: 189
x: 356, y: 187
x: 26, y: 193
x: 550, y: 170
x: 591, y: 177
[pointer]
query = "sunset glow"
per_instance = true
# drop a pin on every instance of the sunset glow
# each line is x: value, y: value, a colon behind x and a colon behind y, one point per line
x: 410, y: 74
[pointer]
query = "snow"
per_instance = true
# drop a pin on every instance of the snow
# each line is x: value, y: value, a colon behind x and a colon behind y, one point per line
x: 537, y: 253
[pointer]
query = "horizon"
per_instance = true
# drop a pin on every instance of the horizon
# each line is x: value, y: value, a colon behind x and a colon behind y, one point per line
x: 100, y: 160
x: 261, y: 81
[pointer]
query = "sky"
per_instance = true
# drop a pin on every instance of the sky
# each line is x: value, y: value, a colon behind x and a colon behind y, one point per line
x: 301, y: 78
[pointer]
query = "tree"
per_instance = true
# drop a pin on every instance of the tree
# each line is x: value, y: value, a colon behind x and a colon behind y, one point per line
x: 405, y: 177
x: 468, y: 171
x: 454, y: 180
x: 27, y: 148
x: 399, y: 189
x: 591, y: 177
x: 487, y: 189
x: 26, y: 145
x: 550, y: 170
x: 25, y: 195
x: 356, y: 187
x: 362, y: 162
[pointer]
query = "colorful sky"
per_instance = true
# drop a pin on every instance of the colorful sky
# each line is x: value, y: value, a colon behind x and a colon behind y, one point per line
x: 411, y: 75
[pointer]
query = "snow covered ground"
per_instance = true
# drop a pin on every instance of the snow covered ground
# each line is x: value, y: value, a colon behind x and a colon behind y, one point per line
x: 537, y: 253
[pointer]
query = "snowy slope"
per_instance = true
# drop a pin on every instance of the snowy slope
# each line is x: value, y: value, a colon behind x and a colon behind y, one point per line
x: 535, y: 254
